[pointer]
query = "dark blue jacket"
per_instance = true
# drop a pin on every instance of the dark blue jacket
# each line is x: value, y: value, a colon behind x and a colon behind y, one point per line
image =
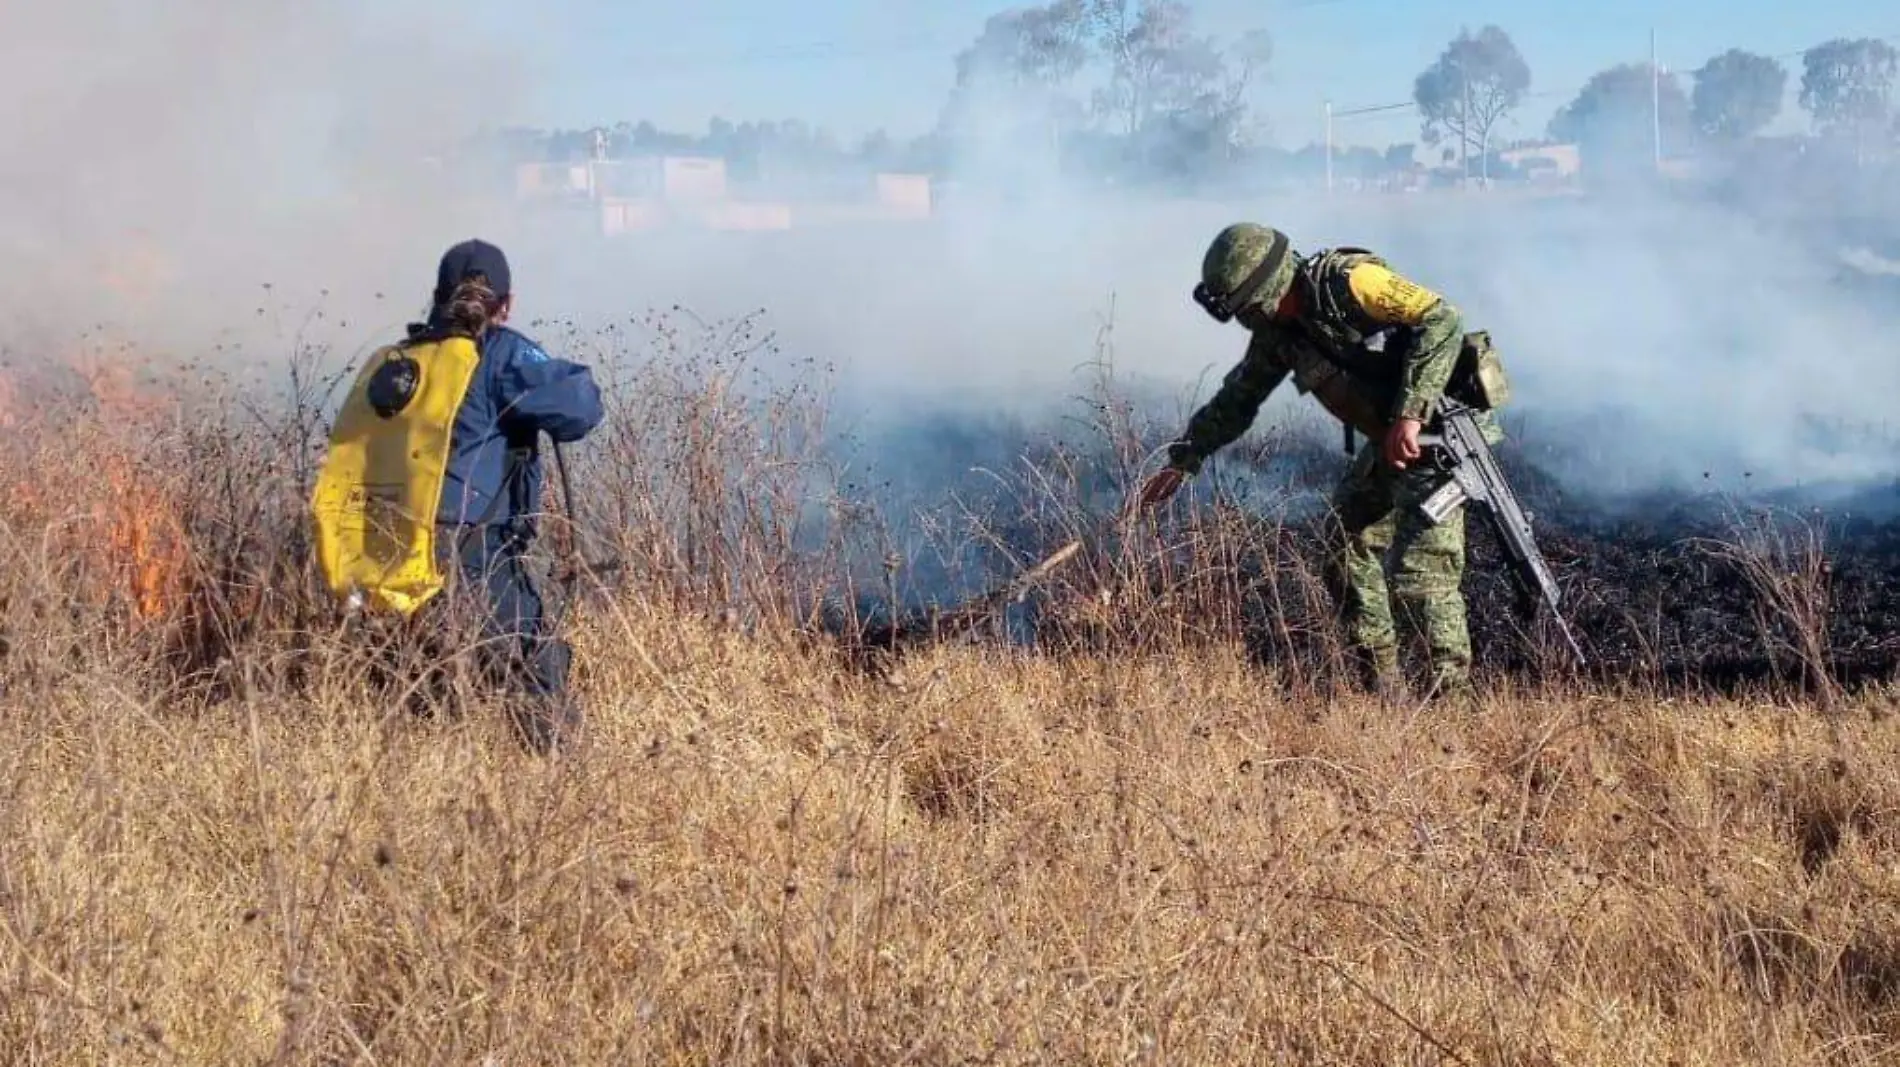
x: 519, y: 392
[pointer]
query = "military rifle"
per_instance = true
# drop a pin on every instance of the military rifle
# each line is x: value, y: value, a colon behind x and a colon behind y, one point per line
x: 1460, y: 450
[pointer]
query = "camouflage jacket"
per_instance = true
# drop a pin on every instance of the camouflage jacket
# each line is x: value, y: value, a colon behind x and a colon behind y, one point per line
x: 1369, y: 345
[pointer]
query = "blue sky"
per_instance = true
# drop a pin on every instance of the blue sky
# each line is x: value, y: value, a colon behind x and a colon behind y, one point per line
x: 857, y: 65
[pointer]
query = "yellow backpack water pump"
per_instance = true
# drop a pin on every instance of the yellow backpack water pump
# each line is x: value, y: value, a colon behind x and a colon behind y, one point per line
x: 380, y: 485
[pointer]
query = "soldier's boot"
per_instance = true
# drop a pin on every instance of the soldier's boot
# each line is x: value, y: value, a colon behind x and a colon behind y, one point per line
x: 1380, y: 675
x: 1448, y: 643
x: 1391, y: 690
x: 1451, y: 685
x: 1441, y: 621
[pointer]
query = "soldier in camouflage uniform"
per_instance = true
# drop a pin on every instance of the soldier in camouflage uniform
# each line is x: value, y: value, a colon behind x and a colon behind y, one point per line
x: 1378, y: 351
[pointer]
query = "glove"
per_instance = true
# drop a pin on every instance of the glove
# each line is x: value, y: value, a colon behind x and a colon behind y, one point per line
x: 1161, y: 485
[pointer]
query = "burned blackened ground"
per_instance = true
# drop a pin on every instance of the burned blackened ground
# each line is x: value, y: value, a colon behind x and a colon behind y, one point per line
x: 1707, y: 590
x: 1692, y: 602
x: 1663, y: 605
x: 1680, y: 590
x: 1695, y: 592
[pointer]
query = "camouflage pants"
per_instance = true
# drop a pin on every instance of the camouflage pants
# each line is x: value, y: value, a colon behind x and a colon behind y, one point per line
x: 1380, y: 528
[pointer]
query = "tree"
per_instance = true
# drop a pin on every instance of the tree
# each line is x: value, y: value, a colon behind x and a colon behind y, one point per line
x: 1737, y: 94
x: 1159, y: 66
x: 1170, y: 101
x: 1039, y: 47
x: 1848, y: 85
x: 1612, y: 120
x: 1478, y: 80
x: 1178, y: 97
x: 1010, y: 80
x: 1138, y: 41
x: 1247, y: 60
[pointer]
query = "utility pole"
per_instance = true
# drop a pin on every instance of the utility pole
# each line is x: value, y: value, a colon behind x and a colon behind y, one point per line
x: 1329, y: 147
x: 1655, y: 101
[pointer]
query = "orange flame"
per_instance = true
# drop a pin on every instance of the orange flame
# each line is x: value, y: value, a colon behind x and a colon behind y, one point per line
x: 134, y: 539
x: 144, y: 543
x: 144, y: 548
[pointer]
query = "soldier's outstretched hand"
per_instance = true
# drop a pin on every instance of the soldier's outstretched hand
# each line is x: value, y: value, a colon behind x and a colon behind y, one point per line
x: 1161, y: 485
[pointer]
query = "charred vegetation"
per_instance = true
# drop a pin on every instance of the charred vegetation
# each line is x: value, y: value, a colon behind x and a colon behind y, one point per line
x: 720, y: 489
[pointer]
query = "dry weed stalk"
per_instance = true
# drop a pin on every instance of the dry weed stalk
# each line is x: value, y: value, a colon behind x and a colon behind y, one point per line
x: 1784, y: 560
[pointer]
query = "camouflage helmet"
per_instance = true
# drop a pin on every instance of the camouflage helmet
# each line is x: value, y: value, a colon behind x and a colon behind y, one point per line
x: 1247, y: 263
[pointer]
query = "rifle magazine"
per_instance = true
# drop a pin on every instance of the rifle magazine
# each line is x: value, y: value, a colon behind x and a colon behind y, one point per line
x: 1439, y: 506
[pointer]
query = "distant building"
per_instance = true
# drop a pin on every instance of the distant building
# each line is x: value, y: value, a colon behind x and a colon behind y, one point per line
x: 906, y: 195
x: 659, y: 191
x: 1545, y: 163
x: 542, y: 181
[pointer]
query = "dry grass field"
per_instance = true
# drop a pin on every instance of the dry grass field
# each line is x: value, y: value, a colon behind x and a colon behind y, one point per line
x: 1010, y: 860
x: 219, y: 844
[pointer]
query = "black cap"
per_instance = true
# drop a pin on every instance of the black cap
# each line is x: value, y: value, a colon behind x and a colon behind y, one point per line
x: 469, y: 258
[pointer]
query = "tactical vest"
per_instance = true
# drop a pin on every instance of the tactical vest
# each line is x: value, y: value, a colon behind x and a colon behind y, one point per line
x: 377, y: 495
x: 1327, y: 353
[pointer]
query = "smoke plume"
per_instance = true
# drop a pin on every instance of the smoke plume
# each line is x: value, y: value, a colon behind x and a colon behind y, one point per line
x: 168, y: 161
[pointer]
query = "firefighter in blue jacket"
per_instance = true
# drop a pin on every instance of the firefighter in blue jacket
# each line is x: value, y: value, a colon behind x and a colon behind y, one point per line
x: 434, y: 475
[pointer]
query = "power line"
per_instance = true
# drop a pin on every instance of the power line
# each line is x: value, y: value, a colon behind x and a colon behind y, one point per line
x: 1374, y: 109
